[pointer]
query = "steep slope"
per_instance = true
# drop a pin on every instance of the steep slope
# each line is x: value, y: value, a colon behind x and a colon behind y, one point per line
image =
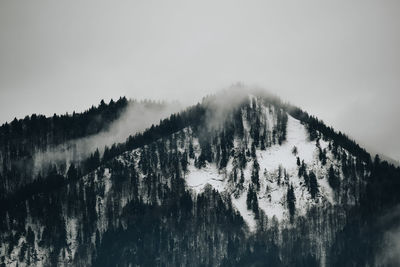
x: 240, y: 181
x: 30, y: 149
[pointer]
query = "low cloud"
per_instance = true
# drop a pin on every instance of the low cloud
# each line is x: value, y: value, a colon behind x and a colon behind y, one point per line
x: 390, y: 252
x: 137, y: 117
x: 226, y: 100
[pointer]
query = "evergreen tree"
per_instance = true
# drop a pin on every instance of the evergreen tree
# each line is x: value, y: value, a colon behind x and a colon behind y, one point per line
x: 294, y: 151
x: 235, y: 176
x: 252, y: 200
x: 191, y: 149
x: 333, y: 179
x: 302, y: 169
x: 184, y: 161
x: 322, y: 155
x: 241, y: 181
x: 72, y: 173
x: 242, y: 159
x: 206, y: 152
x: 262, y: 146
x: 224, y: 158
x: 313, y: 184
x: 255, y: 176
x: 291, y: 201
x: 253, y: 150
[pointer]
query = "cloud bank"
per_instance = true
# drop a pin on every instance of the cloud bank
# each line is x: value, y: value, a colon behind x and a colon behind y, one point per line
x: 137, y: 117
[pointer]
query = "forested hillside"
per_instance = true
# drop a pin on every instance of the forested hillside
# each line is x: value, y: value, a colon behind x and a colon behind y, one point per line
x: 37, y: 146
x: 240, y: 179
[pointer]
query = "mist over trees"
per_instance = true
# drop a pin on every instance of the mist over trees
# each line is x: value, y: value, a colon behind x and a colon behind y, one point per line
x: 131, y: 201
x: 31, y: 147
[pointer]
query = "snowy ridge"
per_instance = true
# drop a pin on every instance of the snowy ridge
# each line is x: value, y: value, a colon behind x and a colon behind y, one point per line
x: 275, y: 159
x: 144, y: 175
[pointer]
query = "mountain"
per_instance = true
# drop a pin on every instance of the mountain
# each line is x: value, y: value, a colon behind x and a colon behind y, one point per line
x: 35, y: 146
x: 240, y: 179
x: 389, y: 159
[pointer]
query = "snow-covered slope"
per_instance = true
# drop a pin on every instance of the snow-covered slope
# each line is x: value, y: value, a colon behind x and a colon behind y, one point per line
x: 259, y: 160
x: 272, y: 161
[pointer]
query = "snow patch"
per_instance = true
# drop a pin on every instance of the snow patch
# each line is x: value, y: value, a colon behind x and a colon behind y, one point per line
x: 271, y: 202
x: 296, y: 135
x: 197, y: 179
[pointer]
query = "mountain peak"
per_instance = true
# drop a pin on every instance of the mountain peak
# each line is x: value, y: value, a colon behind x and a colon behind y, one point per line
x: 225, y: 182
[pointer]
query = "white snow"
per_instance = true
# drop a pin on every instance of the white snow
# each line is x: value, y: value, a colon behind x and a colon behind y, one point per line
x: 325, y: 189
x: 271, y: 203
x: 273, y: 200
x: 272, y: 194
x: 273, y: 188
x: 101, y: 202
x: 282, y: 154
x: 71, y: 231
x: 197, y: 179
x: 107, y: 180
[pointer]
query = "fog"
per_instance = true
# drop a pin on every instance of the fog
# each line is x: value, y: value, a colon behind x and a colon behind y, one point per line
x: 390, y: 250
x: 137, y: 117
x: 221, y: 104
x: 338, y: 60
x: 225, y: 100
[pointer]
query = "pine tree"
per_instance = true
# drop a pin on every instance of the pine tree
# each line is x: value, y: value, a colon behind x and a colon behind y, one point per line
x: 255, y: 177
x: 224, y: 158
x: 96, y: 158
x: 191, y: 150
x: 252, y: 200
x: 249, y: 197
x: 235, y: 174
x: 262, y: 146
x: 294, y: 151
x: 264, y: 138
x: 72, y: 173
x: 333, y: 179
x: 253, y: 150
x: 242, y: 159
x: 241, y: 181
x: 291, y: 201
x: 322, y: 156
x: 239, y: 123
x: 302, y: 169
x: 313, y: 184
x: 206, y: 152
x: 184, y: 161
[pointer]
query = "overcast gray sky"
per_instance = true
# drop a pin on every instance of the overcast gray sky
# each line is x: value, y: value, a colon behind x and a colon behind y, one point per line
x: 339, y: 60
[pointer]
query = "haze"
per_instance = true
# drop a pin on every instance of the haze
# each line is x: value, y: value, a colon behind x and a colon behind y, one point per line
x: 338, y: 60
